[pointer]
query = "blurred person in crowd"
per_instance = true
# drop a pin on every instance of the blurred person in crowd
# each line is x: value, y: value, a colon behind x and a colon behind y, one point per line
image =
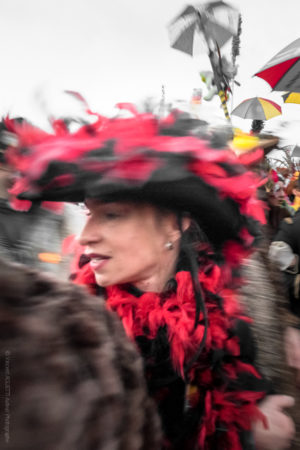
x: 169, y: 221
x: 293, y: 190
x: 265, y: 297
x: 30, y: 233
x: 262, y: 292
x: 284, y: 255
x: 278, y: 206
x: 284, y: 252
x: 70, y: 378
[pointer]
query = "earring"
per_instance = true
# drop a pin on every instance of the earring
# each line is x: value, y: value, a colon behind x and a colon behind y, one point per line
x: 169, y: 245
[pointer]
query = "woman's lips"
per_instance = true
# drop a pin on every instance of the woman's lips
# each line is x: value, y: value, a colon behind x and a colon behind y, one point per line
x: 98, y: 261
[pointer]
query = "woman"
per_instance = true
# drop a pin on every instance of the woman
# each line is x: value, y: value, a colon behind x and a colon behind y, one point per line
x: 169, y: 221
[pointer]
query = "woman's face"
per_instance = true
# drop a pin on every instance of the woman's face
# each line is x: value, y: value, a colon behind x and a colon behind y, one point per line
x: 127, y: 244
x: 278, y: 194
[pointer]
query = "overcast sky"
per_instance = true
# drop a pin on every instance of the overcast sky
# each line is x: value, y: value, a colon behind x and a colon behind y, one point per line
x: 118, y: 50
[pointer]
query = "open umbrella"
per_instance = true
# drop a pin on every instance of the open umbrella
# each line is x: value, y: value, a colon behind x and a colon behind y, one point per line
x: 206, y: 27
x: 282, y: 72
x: 257, y: 108
x: 291, y: 97
x: 190, y: 31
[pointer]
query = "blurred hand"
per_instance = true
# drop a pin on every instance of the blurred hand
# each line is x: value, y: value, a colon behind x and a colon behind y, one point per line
x: 281, y: 427
x: 292, y: 348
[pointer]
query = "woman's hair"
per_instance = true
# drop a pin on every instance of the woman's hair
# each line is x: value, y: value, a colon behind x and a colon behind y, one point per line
x: 73, y: 380
x: 193, y: 241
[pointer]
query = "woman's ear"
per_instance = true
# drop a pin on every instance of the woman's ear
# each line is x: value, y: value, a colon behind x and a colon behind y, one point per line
x: 176, y: 227
x: 186, y: 222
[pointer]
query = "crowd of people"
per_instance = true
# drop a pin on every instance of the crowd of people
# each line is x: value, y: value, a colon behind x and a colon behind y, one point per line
x: 176, y: 323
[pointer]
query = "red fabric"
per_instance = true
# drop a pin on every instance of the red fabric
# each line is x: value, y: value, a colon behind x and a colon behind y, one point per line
x: 81, y: 273
x: 59, y: 127
x: 135, y: 167
x: 25, y: 205
x: 20, y: 205
x: 129, y: 107
x: 274, y: 175
x: 82, y: 100
x: 272, y: 75
x: 249, y: 158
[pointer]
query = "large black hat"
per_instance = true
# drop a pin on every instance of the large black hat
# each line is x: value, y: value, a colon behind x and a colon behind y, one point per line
x: 142, y: 158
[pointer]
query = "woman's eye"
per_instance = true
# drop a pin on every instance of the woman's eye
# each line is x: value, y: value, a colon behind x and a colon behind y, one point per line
x: 112, y: 215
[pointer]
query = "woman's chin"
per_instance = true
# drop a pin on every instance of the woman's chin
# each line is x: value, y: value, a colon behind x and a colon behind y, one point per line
x: 105, y: 281
x: 102, y: 281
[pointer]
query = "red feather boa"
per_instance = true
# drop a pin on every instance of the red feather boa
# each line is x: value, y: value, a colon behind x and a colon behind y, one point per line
x: 234, y: 409
x: 177, y: 312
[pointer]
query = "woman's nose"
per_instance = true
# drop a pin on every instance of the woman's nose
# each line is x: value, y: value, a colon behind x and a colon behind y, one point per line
x: 90, y: 233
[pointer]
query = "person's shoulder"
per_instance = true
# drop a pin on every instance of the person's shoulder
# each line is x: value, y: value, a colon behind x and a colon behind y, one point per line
x: 27, y: 286
x: 288, y: 229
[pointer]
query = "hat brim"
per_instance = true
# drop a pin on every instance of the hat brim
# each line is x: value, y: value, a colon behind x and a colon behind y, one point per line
x: 218, y: 217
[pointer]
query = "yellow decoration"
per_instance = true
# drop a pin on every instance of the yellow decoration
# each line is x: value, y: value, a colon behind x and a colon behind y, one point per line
x: 295, y: 175
x: 243, y: 142
x: 53, y: 258
x: 296, y: 204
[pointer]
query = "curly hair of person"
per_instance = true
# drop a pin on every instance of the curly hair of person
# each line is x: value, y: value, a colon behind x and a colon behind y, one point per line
x: 73, y: 380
